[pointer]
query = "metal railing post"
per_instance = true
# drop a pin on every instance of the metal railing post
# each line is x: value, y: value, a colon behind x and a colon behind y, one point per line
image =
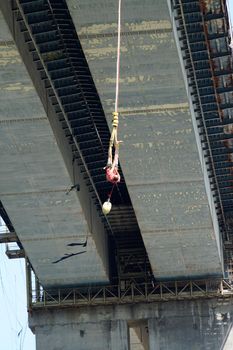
x: 28, y: 284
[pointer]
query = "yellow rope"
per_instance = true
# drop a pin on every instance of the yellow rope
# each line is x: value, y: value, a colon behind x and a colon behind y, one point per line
x: 115, y: 120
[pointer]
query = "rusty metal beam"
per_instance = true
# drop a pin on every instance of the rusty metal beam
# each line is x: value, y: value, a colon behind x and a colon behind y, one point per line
x: 8, y: 237
x: 15, y: 253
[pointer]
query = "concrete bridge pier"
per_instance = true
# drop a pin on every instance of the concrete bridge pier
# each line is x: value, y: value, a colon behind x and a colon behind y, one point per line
x: 175, y: 325
x: 68, y: 334
x: 199, y: 325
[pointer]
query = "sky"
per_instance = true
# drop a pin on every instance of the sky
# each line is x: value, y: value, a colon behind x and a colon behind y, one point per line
x: 14, y: 331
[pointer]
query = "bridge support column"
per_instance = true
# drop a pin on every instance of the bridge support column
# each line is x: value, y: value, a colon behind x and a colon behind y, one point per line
x: 153, y: 335
x: 193, y: 326
x: 119, y: 335
x: 173, y: 325
x: 63, y: 330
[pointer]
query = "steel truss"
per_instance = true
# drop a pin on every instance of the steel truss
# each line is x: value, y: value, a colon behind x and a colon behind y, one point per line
x: 128, y: 294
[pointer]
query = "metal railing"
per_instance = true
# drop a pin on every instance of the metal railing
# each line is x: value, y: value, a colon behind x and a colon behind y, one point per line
x: 132, y: 293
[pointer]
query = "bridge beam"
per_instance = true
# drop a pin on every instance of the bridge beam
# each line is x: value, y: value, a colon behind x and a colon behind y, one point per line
x: 15, y: 253
x: 172, y: 325
x: 8, y: 237
x: 45, y: 230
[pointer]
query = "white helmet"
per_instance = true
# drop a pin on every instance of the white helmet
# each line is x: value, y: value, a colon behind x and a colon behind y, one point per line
x: 107, y: 206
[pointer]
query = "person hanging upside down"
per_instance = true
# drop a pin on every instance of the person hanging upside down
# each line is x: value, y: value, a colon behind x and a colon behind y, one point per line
x: 112, y: 174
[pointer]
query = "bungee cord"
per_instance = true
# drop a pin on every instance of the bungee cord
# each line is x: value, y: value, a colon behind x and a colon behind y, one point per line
x: 118, y: 56
x: 112, y: 174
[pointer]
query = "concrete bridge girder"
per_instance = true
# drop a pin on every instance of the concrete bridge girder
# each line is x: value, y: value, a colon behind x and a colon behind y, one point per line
x: 168, y: 194
x: 161, y: 157
x: 34, y: 180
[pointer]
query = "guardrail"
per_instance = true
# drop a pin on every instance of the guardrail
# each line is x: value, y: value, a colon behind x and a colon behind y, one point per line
x: 133, y: 293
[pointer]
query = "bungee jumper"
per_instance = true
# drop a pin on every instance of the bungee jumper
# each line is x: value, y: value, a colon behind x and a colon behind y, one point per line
x: 112, y: 174
x: 111, y: 169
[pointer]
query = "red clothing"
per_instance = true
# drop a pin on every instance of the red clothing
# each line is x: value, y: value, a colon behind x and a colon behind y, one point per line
x: 112, y: 175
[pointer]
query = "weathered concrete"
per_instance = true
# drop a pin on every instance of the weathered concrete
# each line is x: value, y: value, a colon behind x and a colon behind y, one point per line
x: 138, y: 332
x: 181, y: 325
x: 229, y: 340
x: 34, y: 181
x: 85, y: 336
x: 168, y: 182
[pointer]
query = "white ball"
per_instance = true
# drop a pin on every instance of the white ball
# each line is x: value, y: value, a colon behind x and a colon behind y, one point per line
x: 107, y: 206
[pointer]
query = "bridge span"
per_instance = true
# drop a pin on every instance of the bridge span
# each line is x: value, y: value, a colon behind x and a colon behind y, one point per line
x: 169, y: 234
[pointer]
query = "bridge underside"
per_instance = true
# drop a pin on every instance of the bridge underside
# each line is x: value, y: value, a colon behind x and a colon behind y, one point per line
x: 34, y: 181
x: 160, y: 157
x: 163, y: 219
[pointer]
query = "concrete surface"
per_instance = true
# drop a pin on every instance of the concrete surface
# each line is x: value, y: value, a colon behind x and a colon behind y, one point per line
x: 181, y: 325
x: 34, y: 181
x: 138, y: 335
x: 161, y: 156
x: 174, y: 208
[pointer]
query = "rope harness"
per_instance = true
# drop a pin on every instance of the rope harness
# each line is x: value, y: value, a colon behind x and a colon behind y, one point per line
x: 113, y: 138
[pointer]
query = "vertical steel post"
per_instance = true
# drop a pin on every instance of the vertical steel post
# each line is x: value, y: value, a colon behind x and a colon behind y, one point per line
x: 28, y: 284
x: 37, y: 285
